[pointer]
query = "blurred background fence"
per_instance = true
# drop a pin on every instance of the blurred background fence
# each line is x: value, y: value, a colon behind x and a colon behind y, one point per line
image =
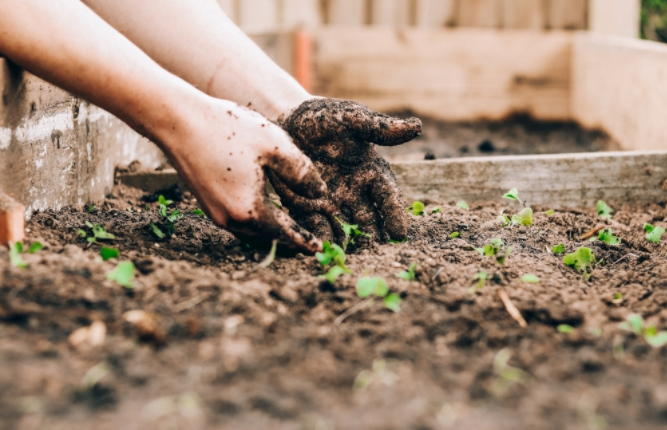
x: 615, y: 17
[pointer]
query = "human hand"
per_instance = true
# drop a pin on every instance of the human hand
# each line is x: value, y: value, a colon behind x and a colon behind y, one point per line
x: 223, y: 153
x: 338, y: 136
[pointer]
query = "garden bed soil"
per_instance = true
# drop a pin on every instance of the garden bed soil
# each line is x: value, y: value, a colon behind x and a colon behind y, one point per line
x: 225, y: 344
x: 517, y: 135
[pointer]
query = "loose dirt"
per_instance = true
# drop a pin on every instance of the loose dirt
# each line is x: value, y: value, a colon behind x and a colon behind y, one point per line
x: 517, y: 135
x: 223, y: 344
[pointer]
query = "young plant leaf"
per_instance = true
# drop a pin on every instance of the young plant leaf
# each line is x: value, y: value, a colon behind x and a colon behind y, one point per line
x: 481, y: 278
x: 582, y: 259
x: 108, y: 253
x: 82, y: 233
x: 123, y: 274
x: 525, y: 217
x: 655, y: 234
x: 398, y: 241
x: 633, y: 323
x: 331, y: 254
x: 408, y: 275
x: 436, y: 210
x: 558, y: 249
x: 332, y: 275
x: 200, y: 213
x: 565, y: 328
x: 656, y: 340
x: 417, y: 208
x: 376, y: 286
x: 271, y: 256
x: 161, y: 200
x: 393, y: 302
x: 100, y: 233
x: 463, y: 205
x: 504, y: 220
x: 648, y: 228
x: 618, y: 299
x: 455, y: 235
x: 550, y: 212
x: 604, y: 211
x: 35, y: 247
x: 90, y: 208
x: 530, y: 279
x: 15, y: 251
x: 351, y: 232
x: 513, y: 194
x: 157, y: 232
x: 607, y: 237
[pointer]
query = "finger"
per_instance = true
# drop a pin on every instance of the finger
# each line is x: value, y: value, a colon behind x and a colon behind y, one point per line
x: 366, y: 217
x: 295, y: 169
x: 390, y: 203
x: 319, y: 225
x: 381, y: 129
x: 270, y: 224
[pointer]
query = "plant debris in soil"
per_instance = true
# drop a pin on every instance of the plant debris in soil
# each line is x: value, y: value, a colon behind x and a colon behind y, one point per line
x: 202, y: 336
x: 519, y: 134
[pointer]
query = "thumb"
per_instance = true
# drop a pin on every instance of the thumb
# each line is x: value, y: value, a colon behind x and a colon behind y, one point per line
x: 374, y: 127
x: 295, y: 169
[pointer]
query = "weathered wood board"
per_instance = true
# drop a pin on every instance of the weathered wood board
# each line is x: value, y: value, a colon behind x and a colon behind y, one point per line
x: 620, y: 86
x: 564, y: 180
x: 460, y: 74
x: 614, y: 17
x: 346, y: 13
x: 567, y: 14
x: 435, y: 13
x: 480, y: 13
x: 524, y: 14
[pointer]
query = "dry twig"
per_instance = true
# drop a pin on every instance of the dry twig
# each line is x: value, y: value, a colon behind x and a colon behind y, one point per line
x: 592, y: 233
x: 511, y: 309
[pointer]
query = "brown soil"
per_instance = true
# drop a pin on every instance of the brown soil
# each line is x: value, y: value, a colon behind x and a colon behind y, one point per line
x: 233, y: 346
x: 517, y: 135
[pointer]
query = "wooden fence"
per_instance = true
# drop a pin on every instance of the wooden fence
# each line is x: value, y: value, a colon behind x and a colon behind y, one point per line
x: 619, y: 17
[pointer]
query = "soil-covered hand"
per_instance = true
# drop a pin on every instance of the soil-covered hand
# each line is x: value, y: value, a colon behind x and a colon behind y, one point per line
x: 339, y: 136
x: 224, y: 155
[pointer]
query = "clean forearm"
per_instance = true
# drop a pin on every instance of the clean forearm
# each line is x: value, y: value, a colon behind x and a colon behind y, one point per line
x: 64, y: 42
x: 196, y: 41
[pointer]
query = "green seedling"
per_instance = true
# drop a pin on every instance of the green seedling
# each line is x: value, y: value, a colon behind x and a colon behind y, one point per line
x: 481, y: 278
x: 455, y: 235
x: 582, y: 260
x: 333, y: 274
x: 635, y: 324
x: 417, y: 208
x: 529, y: 278
x: 436, y: 210
x: 398, y: 241
x: 565, y: 328
x: 277, y: 204
x: 108, y: 253
x: 653, y: 234
x: 200, y: 213
x: 607, y: 237
x: 558, y: 249
x: 513, y: 194
x: 618, y: 299
x: 525, y: 217
x: 351, y: 233
x: 157, y: 232
x: 90, y: 208
x: 99, y: 233
x: 377, y: 286
x: 550, y: 212
x: 161, y: 200
x: 463, y: 205
x: 493, y: 249
x: 507, y: 375
x: 271, y: 257
x: 331, y: 254
x: 16, y: 249
x: 504, y: 220
x: 123, y: 274
x: 604, y: 211
x: 168, y: 221
x: 408, y: 275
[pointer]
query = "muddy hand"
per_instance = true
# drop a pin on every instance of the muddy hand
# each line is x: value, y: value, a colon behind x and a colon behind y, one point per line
x: 338, y: 135
x: 224, y: 158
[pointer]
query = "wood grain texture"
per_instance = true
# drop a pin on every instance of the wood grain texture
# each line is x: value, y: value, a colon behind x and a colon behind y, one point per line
x: 435, y: 13
x: 392, y: 13
x: 620, y: 85
x: 567, y: 14
x: 480, y: 13
x: 524, y: 14
x: 347, y: 13
x: 558, y: 181
x: 450, y: 74
x: 566, y: 180
x: 614, y: 17
x: 297, y: 14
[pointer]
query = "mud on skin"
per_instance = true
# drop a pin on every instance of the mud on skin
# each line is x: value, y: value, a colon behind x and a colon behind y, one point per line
x: 246, y: 348
x: 339, y: 136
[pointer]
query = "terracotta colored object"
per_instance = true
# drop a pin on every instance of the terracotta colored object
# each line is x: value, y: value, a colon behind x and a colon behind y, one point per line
x: 12, y: 220
x: 303, y: 59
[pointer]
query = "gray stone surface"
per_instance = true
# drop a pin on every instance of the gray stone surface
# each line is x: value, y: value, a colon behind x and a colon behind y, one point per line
x: 56, y: 149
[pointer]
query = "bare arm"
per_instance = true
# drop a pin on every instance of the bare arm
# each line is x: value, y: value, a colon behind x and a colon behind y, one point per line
x: 196, y: 41
x: 221, y: 149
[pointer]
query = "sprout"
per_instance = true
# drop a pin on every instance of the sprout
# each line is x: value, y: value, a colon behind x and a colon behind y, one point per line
x: 558, y: 249
x: 635, y: 324
x: 108, y: 253
x: 123, y: 274
x: 513, y: 194
x: 271, y: 256
x: 351, y: 232
x: 463, y: 205
x: 481, y: 278
x: 378, y: 287
x: 455, y: 235
x: 161, y: 200
x: 408, y: 275
x: 525, y: 217
x: 604, y: 211
x: 436, y: 210
x: 607, y: 237
x: 565, y: 328
x: 417, y: 208
x: 530, y: 279
x: 582, y: 259
x: 653, y: 234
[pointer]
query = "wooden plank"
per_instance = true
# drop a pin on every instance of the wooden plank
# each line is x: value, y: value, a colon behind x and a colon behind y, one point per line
x: 383, y: 13
x: 524, y: 14
x: 346, y: 13
x: 450, y: 74
x: 615, y: 17
x: 620, y: 85
x: 558, y: 181
x: 435, y: 13
x: 258, y: 16
x: 567, y: 180
x: 567, y: 14
x: 480, y: 13
x: 299, y: 14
